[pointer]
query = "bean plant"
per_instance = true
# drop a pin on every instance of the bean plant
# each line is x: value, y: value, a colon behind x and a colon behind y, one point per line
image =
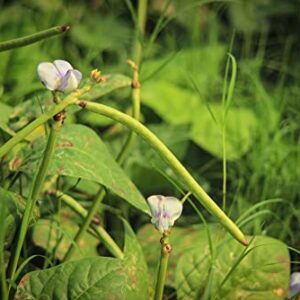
x: 164, y: 259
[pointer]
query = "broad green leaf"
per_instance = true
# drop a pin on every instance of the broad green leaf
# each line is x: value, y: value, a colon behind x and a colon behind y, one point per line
x: 21, y: 115
x: 27, y: 111
x: 171, y: 102
x: 258, y: 273
x: 57, y: 235
x: 80, y: 153
x: 91, y: 278
x: 240, y: 128
x: 110, y: 83
x: 135, y: 266
x: 203, y: 65
x: 15, y: 206
x: 177, y: 105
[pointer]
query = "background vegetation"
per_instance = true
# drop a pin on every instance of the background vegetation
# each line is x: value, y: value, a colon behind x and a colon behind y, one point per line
x: 184, y: 54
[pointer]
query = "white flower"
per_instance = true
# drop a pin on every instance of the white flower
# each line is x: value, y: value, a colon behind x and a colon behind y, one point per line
x: 165, y: 211
x: 59, y: 76
x: 294, y: 287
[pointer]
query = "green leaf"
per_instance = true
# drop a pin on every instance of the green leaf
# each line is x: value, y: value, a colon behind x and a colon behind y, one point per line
x: 88, y: 278
x: 135, y: 266
x: 171, y: 102
x: 259, y: 272
x: 81, y: 153
x: 240, y: 128
x: 91, y: 278
x: 57, y: 235
x: 181, y: 106
x: 111, y: 83
x: 15, y: 206
x: 203, y: 64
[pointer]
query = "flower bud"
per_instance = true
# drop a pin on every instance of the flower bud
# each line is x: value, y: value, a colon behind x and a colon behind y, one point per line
x: 96, y: 76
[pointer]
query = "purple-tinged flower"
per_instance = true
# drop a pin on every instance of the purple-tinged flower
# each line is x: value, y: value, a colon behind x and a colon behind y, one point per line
x: 294, y: 287
x: 165, y: 211
x: 59, y: 76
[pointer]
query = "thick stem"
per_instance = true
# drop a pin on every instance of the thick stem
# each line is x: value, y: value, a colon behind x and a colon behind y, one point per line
x: 139, y: 31
x: 34, y: 194
x: 136, y: 108
x: 173, y: 162
x: 30, y: 39
x: 166, y: 249
x: 135, y: 64
x: 103, y: 235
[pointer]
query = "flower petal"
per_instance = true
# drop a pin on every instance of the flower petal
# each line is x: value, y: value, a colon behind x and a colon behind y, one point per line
x: 62, y: 66
x: 164, y: 211
x: 49, y: 75
x: 172, y: 209
x: 155, y: 204
x: 78, y: 75
x: 70, y: 81
x: 294, y: 287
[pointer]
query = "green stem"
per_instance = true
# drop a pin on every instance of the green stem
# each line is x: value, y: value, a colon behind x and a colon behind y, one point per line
x: 170, y: 158
x: 22, y: 134
x: 107, y: 240
x: 136, y: 109
x: 34, y: 194
x: 3, y: 209
x: 139, y: 31
x: 135, y: 64
x: 86, y: 223
x: 30, y: 39
x: 166, y: 249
